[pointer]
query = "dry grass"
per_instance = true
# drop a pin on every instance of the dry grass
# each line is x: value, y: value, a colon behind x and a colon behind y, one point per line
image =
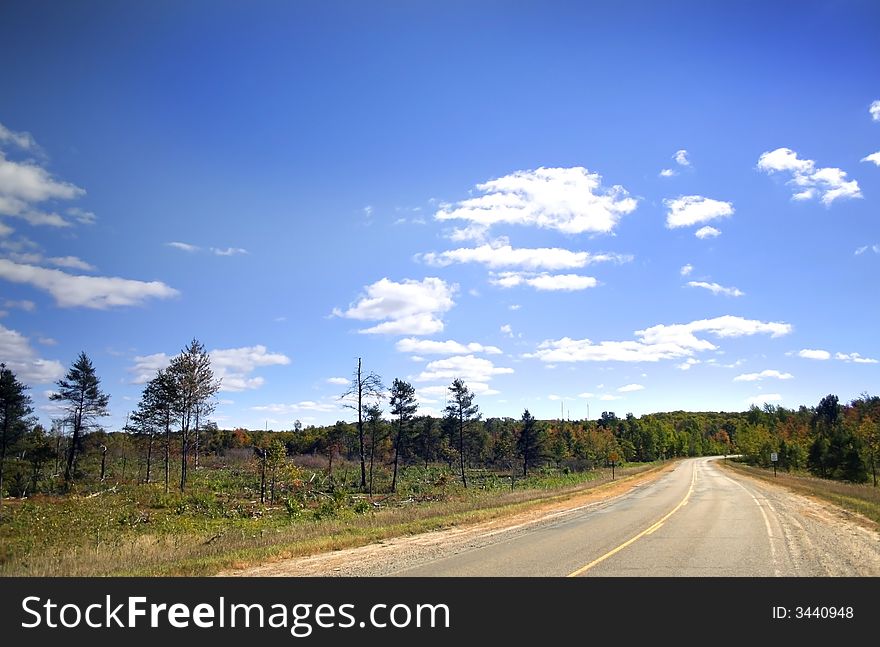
x: 238, y: 545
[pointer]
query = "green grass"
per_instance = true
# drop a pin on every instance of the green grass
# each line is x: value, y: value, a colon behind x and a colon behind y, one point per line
x: 219, y: 524
x: 862, y: 499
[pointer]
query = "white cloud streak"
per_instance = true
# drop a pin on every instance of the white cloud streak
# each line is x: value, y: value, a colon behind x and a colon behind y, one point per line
x: 768, y: 373
x: 545, y: 281
x: 467, y: 367
x: 408, y: 307
x: 814, y: 353
x: 827, y: 183
x: 656, y: 343
x: 715, y: 288
x: 693, y: 209
x: 21, y: 359
x: 448, y: 347
x: 707, y: 232
x: 96, y: 292
x: 500, y: 254
x: 570, y: 200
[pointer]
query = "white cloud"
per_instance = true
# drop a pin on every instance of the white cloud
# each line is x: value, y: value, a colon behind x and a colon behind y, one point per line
x: 22, y: 140
x: 874, y: 109
x: 873, y: 157
x: 473, y: 231
x: 809, y: 181
x: 607, y: 397
x: 5, y: 230
x: 686, y: 269
x: 499, y: 254
x: 22, y: 360
x: 467, y: 367
x: 98, y: 292
x: 544, y: 281
x: 767, y: 398
x: 570, y: 200
x: 406, y: 308
x: 693, y: 209
x: 232, y: 366
x: 341, y: 381
x: 514, y: 306
x: 686, y: 365
x: 24, y: 304
x: 714, y: 288
x: 656, y: 343
x: 755, y: 377
x: 305, y: 405
x: 368, y: 211
x: 631, y: 388
x: 146, y: 366
x: 586, y: 395
x: 228, y: 251
x: 47, y: 341
x: 681, y: 158
x: 811, y: 353
x: 71, y: 262
x: 26, y: 184
x: 854, y: 357
x: 507, y: 330
x: 82, y: 216
x: 448, y: 347
x: 667, y: 172
x: 184, y: 247
x: 707, y: 232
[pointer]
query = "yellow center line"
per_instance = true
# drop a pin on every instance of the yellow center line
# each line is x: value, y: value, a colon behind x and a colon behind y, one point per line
x: 647, y: 531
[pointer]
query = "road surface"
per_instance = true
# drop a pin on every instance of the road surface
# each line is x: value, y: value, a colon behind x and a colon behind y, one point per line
x: 698, y: 519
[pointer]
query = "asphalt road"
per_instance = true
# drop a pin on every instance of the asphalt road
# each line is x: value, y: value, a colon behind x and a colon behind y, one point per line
x: 697, y: 520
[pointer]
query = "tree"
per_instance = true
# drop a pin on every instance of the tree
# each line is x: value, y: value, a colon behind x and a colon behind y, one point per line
x: 194, y: 387
x: 15, y: 407
x: 404, y: 406
x: 373, y: 413
x: 363, y: 387
x: 80, y: 389
x: 530, y: 443
x: 461, y: 410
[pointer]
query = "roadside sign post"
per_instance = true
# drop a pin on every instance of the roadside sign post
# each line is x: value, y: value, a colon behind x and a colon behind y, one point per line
x: 613, y: 458
x: 774, y: 458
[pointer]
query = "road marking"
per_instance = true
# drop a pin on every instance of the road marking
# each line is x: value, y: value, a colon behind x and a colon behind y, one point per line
x: 644, y: 533
x: 776, y: 571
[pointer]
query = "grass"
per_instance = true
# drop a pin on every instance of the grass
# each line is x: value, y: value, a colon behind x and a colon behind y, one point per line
x: 138, y: 530
x: 862, y: 499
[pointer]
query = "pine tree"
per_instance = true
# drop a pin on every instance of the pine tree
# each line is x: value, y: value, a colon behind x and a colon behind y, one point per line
x: 15, y: 407
x: 461, y: 410
x: 404, y: 406
x: 80, y: 389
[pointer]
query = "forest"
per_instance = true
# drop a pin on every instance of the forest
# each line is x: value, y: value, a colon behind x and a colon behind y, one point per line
x: 171, y: 433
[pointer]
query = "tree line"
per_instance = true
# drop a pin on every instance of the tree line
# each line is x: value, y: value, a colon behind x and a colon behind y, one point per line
x: 171, y: 425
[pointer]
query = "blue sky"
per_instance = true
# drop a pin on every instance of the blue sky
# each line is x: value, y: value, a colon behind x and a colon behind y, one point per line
x: 627, y: 206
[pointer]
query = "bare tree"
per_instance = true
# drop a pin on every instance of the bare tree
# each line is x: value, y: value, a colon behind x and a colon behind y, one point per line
x: 363, y: 387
